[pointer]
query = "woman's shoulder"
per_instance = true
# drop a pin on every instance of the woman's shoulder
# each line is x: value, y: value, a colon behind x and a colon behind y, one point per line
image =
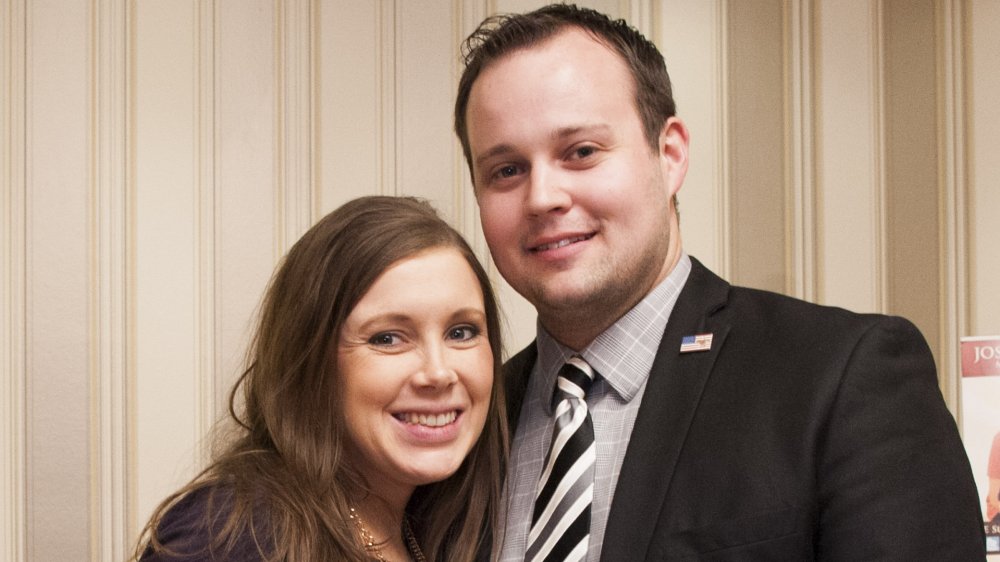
x: 195, y: 529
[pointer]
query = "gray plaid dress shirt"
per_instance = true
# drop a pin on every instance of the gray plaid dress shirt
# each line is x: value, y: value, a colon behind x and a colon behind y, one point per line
x: 622, y: 357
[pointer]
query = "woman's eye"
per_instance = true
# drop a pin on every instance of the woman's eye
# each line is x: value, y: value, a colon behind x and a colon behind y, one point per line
x: 384, y: 339
x: 583, y: 152
x: 463, y: 333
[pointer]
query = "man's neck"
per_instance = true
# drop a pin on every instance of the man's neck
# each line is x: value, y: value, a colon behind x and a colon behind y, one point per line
x: 578, y: 326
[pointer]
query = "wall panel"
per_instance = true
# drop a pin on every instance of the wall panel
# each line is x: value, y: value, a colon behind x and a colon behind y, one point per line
x: 983, y: 203
x: 57, y: 366
x: 849, y: 165
x: 349, y: 100
x: 692, y: 37
x: 250, y: 209
x: 425, y: 148
x: 165, y: 251
x: 912, y: 181
x: 757, y: 155
x: 160, y: 156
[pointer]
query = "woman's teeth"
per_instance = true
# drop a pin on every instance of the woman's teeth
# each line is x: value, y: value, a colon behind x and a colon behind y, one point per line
x: 430, y: 420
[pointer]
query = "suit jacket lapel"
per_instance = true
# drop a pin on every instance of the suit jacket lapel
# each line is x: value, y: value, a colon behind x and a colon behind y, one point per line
x: 669, y: 403
x: 517, y: 371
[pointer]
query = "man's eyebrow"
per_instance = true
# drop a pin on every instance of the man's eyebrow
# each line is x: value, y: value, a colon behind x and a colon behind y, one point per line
x: 493, y: 152
x: 564, y: 132
x: 561, y: 133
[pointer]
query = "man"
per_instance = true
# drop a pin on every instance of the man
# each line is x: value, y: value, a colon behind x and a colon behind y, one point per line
x: 722, y: 423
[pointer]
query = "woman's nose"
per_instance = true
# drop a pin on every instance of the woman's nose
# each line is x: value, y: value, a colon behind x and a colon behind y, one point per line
x: 436, y: 371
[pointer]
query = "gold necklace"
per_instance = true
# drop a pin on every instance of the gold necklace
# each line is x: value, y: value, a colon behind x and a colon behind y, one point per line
x: 367, y: 540
x: 369, y: 544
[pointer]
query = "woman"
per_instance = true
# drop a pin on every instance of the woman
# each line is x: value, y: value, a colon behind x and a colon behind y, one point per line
x: 372, y: 425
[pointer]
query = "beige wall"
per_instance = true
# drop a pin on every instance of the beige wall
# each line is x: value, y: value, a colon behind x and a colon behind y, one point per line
x: 158, y: 157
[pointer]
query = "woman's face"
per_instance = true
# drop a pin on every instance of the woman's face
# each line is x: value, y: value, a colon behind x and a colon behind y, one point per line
x: 416, y: 370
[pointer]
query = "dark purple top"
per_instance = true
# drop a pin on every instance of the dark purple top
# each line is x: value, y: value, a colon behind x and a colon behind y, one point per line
x: 190, y: 535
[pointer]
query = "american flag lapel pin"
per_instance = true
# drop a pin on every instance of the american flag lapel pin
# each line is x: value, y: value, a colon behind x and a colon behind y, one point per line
x: 699, y: 342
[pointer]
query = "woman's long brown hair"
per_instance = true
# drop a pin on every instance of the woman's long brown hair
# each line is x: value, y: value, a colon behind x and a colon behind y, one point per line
x: 281, y: 476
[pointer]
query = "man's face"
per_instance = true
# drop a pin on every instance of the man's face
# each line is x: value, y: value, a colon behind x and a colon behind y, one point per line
x: 575, y: 203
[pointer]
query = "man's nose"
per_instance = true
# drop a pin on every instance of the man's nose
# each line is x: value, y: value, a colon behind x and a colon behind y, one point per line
x: 548, y: 190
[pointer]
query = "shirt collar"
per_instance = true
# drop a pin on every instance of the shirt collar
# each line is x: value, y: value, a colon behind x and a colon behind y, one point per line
x: 623, y: 354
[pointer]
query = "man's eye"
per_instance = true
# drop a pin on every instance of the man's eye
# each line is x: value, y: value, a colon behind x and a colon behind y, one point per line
x: 384, y: 339
x: 583, y: 152
x: 463, y: 333
x: 507, y: 172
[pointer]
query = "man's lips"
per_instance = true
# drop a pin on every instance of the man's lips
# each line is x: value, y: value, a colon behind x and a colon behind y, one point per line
x: 562, y: 242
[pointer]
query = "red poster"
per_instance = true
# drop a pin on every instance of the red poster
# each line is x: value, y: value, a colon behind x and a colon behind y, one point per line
x: 981, y: 357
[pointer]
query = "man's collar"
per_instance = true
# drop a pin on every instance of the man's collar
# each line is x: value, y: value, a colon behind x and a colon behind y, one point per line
x: 623, y: 354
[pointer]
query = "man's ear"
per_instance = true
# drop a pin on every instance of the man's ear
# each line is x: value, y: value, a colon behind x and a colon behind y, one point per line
x: 673, y: 153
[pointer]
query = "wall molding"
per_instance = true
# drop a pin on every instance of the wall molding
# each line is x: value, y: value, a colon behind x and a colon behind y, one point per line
x: 387, y: 85
x: 13, y: 241
x: 725, y: 139
x: 295, y: 35
x: 953, y: 170
x: 802, y: 260
x: 108, y: 152
x: 131, y: 355
x: 206, y: 211
x: 879, y: 159
x: 467, y: 16
x: 642, y: 15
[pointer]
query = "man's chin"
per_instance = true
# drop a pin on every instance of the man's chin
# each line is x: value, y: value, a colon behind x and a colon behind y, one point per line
x: 567, y: 308
x: 592, y: 303
x: 558, y: 297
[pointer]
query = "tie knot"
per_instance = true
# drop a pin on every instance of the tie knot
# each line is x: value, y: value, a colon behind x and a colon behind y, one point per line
x: 575, y: 377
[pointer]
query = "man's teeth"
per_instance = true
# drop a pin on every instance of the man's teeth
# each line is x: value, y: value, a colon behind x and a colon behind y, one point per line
x: 430, y: 420
x: 561, y: 243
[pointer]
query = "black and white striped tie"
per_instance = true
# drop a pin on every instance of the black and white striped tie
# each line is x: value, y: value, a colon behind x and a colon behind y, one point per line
x: 560, y: 524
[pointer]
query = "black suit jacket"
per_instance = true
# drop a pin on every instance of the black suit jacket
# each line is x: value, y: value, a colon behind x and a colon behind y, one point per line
x: 804, y: 433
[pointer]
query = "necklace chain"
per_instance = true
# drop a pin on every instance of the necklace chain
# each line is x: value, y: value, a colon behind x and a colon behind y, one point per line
x: 411, y: 542
x: 369, y: 544
x: 367, y: 540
